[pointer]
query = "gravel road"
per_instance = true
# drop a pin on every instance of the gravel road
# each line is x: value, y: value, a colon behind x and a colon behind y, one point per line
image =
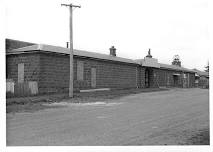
x: 174, y: 117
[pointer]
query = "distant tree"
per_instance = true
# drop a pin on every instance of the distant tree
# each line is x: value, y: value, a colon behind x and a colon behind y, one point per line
x: 207, y: 68
x: 176, y: 60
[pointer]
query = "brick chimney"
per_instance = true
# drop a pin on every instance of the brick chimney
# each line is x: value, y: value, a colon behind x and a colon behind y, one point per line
x: 112, y: 51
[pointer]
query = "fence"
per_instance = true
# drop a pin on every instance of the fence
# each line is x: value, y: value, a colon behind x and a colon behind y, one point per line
x: 21, y: 89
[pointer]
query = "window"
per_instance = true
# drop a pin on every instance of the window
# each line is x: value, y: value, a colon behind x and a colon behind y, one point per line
x: 80, y: 70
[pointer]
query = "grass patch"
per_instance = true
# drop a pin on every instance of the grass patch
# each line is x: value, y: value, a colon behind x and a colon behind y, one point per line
x: 32, y: 104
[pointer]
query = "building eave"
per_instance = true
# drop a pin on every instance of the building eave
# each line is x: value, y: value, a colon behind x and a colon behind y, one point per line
x: 61, y: 50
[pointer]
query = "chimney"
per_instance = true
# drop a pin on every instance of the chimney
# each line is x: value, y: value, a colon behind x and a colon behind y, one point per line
x: 176, y: 61
x: 67, y: 44
x: 112, y: 51
x: 149, y: 54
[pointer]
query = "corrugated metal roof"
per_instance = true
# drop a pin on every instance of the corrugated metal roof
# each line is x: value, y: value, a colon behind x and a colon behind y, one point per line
x: 57, y: 49
x: 14, y: 44
x: 166, y: 66
x: 138, y: 61
x: 174, y: 67
x: 201, y: 73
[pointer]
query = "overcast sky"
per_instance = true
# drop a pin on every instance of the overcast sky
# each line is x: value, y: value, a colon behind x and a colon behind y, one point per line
x: 168, y: 27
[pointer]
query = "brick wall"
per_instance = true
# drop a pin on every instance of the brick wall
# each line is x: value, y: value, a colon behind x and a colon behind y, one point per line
x: 166, y: 78
x: 31, y: 66
x: 51, y: 71
x: 153, y: 77
x: 55, y: 73
x: 29, y: 70
x: 140, y: 77
x: 203, y: 82
x: 162, y: 77
x: 192, y: 80
x: 108, y: 74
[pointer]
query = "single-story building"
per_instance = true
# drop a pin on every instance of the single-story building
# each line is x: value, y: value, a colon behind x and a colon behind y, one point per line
x: 201, y: 79
x: 41, y: 69
x: 164, y: 75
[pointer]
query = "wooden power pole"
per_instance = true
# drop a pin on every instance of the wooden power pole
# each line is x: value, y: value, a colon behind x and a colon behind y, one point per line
x: 71, y: 48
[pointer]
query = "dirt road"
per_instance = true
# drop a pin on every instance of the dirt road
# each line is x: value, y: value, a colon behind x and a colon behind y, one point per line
x: 177, y: 116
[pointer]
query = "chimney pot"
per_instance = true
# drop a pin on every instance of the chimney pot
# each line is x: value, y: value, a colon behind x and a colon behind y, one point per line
x: 113, y: 51
x: 67, y: 44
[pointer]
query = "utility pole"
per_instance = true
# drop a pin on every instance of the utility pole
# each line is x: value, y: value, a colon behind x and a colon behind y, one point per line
x: 71, y: 48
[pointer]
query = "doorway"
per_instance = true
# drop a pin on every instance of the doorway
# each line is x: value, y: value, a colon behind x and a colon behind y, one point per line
x: 148, y: 76
x: 175, y: 78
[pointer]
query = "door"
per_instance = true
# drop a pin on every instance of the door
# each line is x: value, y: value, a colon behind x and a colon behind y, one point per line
x: 184, y: 81
x: 146, y: 78
x: 175, y: 77
x: 93, y: 77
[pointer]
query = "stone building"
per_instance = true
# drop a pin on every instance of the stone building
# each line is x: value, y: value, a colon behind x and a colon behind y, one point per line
x: 201, y: 79
x: 41, y: 69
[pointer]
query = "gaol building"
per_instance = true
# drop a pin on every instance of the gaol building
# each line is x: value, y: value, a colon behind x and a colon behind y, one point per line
x: 201, y: 79
x: 41, y: 69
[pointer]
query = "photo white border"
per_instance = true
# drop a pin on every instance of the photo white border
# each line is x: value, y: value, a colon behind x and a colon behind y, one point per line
x: 89, y: 148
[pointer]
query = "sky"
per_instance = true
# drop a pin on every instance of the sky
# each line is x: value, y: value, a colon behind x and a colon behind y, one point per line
x: 168, y: 27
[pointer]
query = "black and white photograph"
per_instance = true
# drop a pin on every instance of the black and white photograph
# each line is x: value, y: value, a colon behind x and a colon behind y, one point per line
x: 109, y: 73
